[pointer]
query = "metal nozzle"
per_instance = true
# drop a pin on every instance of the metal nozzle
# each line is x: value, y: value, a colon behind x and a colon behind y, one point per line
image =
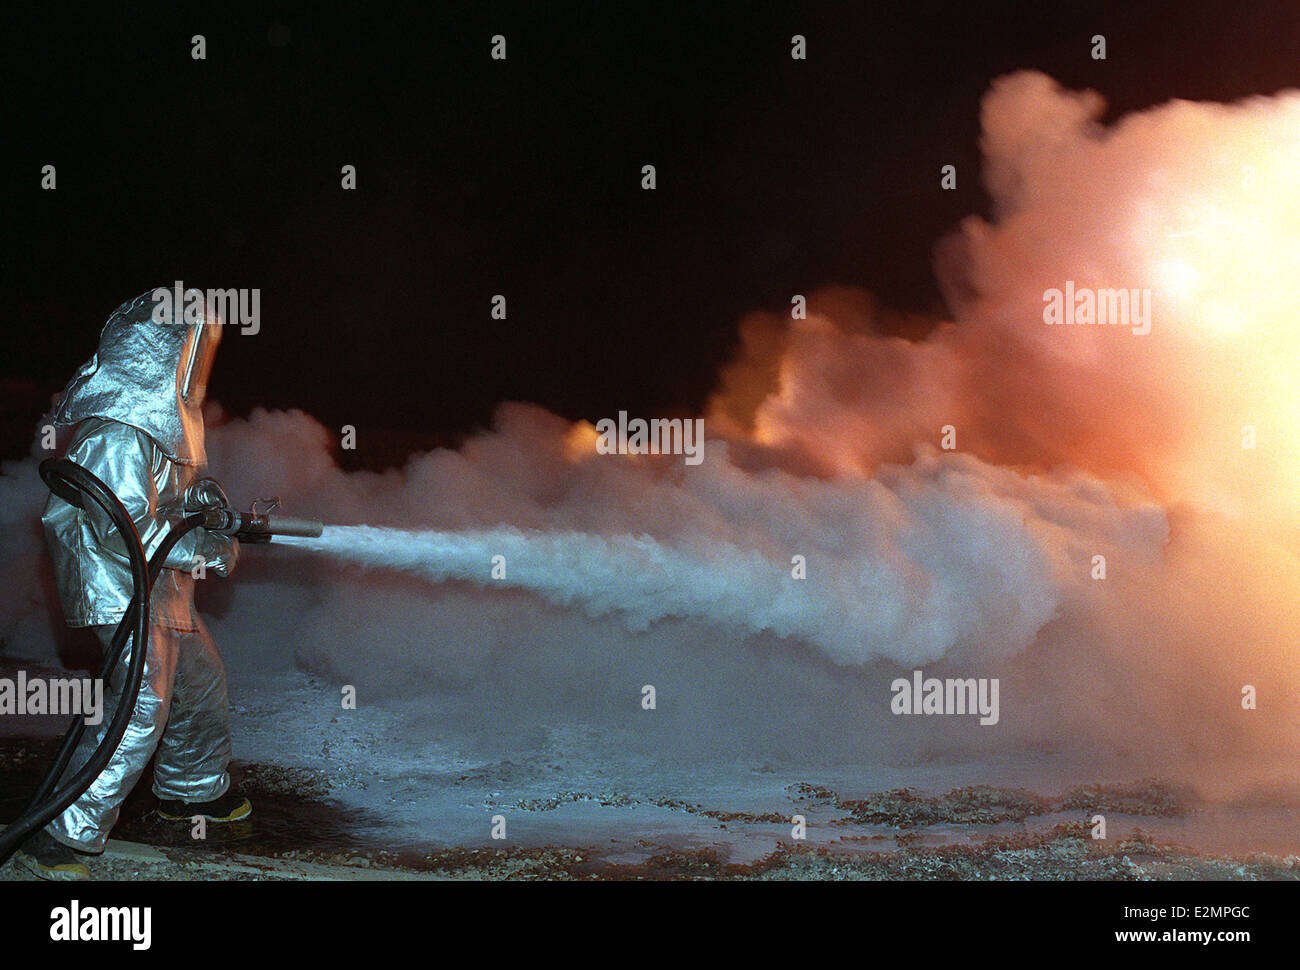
x: 255, y: 527
x: 279, y: 525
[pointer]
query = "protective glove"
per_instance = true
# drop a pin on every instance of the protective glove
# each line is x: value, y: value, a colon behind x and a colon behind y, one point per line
x: 220, y: 553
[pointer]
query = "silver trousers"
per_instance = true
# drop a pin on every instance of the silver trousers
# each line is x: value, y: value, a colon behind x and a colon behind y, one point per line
x: 182, y: 713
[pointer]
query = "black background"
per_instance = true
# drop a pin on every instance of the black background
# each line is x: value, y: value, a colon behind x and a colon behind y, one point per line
x: 521, y: 177
x: 512, y: 924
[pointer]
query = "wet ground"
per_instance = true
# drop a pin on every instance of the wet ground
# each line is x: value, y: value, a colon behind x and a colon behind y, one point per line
x: 975, y: 832
x: 379, y: 791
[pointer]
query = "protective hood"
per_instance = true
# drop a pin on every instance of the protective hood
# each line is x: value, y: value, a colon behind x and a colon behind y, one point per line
x: 151, y: 371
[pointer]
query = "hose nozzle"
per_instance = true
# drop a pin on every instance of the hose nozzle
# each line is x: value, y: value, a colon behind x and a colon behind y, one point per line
x: 257, y: 525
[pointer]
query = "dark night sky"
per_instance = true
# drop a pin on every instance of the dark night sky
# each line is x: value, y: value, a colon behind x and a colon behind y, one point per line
x: 479, y: 177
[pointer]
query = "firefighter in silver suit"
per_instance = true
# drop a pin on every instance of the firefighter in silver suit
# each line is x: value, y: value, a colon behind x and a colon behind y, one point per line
x: 137, y: 411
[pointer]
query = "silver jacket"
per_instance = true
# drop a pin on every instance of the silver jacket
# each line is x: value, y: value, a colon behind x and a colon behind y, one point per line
x: 90, y: 563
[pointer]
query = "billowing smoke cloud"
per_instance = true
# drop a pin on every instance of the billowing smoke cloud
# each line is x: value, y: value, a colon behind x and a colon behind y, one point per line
x: 1193, y: 202
x: 1004, y: 546
x: 1170, y: 454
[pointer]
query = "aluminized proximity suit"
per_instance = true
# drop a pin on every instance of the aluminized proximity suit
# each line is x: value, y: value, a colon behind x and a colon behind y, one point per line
x: 137, y: 408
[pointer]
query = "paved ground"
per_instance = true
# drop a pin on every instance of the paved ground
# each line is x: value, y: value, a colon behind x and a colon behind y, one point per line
x: 362, y: 796
x: 972, y: 834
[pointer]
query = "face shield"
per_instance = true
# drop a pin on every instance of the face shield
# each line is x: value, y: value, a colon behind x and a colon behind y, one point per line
x: 197, y: 355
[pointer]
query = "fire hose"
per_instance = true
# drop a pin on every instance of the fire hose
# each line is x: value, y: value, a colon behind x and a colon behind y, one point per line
x: 206, y: 507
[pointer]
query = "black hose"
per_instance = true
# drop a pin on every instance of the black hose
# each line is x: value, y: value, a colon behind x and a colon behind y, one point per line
x: 70, y: 482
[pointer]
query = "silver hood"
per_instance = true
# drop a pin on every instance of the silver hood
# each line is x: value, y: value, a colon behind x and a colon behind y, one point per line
x: 150, y: 372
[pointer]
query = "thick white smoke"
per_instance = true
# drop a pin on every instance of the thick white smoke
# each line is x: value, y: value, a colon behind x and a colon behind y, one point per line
x: 876, y: 547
